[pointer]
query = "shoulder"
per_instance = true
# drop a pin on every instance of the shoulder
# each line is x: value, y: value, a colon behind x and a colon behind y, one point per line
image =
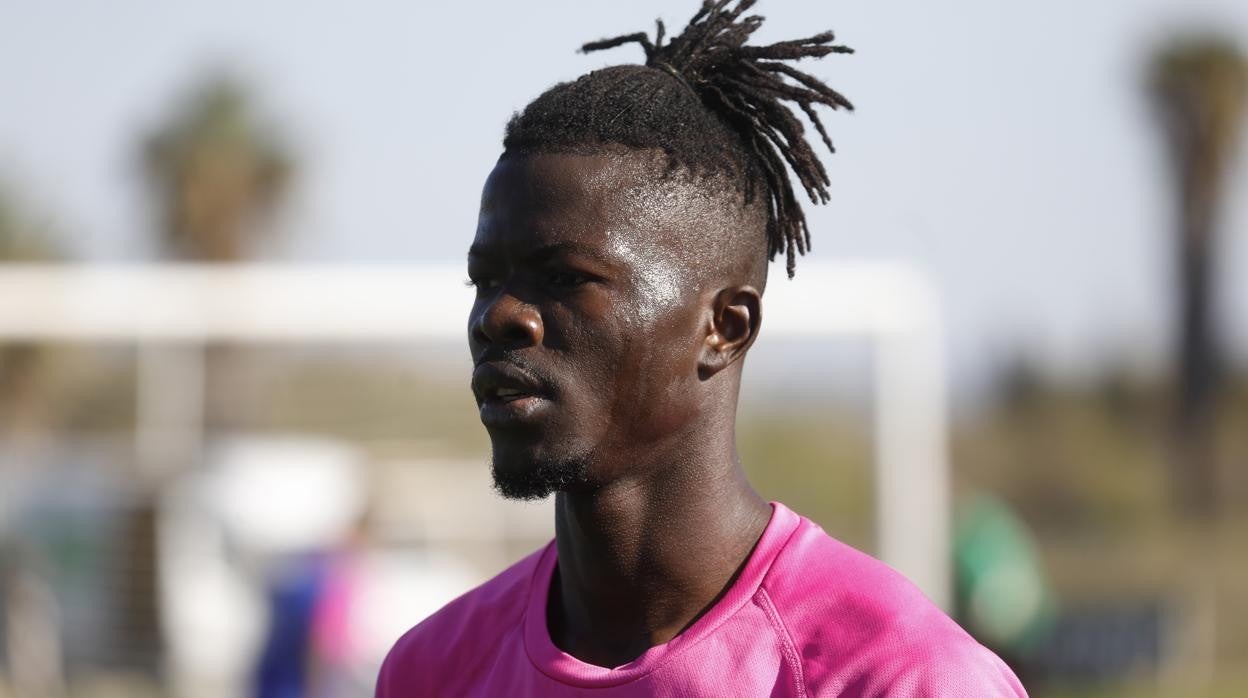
x: 859, y: 625
x: 463, y: 633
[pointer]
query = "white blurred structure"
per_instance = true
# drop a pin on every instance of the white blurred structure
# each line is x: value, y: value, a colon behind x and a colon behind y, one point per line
x: 255, y: 499
x: 284, y: 494
x: 258, y: 503
x: 172, y: 310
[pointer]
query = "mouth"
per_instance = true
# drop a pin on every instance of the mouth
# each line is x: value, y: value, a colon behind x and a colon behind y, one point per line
x: 508, y: 395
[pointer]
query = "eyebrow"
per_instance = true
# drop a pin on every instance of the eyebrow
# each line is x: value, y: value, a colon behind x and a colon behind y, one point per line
x: 543, y: 253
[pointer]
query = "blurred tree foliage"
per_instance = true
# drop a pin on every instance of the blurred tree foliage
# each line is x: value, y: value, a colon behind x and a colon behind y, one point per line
x: 1086, y: 463
x: 45, y: 388
x: 22, y: 392
x: 1199, y: 86
x: 215, y: 172
x: 22, y: 239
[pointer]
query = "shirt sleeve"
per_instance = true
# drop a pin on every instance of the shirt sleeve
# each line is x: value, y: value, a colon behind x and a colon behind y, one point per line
x: 965, y: 671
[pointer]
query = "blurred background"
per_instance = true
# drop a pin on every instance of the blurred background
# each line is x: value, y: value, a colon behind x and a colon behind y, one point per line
x: 234, y: 514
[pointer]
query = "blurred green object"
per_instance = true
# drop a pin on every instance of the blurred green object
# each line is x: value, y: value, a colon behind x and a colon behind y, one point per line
x: 1003, y: 598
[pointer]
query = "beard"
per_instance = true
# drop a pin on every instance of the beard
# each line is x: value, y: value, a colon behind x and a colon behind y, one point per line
x: 536, y: 480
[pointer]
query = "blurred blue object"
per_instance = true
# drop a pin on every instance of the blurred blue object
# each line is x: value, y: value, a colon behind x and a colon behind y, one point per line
x: 286, y: 660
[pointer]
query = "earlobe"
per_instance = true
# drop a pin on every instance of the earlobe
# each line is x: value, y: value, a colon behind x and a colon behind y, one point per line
x: 734, y: 323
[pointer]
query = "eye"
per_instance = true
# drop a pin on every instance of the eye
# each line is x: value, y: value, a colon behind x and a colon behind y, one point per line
x: 560, y: 278
x: 482, y: 282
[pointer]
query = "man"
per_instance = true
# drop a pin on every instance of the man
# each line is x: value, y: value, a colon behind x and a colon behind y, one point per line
x: 620, y: 260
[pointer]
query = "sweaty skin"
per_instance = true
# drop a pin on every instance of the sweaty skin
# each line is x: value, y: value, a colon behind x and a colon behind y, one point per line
x: 619, y: 306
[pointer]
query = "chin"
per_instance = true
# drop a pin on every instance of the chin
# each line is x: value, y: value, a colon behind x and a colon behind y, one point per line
x: 530, y: 478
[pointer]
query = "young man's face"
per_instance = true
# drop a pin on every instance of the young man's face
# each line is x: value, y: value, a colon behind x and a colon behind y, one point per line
x: 588, y: 323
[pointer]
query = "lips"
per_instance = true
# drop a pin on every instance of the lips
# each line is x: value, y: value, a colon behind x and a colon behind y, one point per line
x: 508, y: 394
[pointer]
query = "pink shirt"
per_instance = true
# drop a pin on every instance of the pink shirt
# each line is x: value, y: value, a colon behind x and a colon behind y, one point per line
x: 808, y: 616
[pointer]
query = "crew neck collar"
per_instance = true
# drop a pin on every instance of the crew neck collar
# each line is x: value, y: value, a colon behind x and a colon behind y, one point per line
x: 565, y: 668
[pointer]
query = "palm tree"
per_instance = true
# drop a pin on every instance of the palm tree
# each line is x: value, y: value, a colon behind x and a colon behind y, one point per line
x: 1199, y: 86
x: 215, y: 172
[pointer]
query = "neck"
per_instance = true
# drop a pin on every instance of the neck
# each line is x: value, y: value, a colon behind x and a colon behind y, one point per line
x: 642, y: 558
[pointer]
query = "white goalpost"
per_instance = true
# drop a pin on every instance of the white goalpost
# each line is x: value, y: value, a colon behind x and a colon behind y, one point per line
x: 170, y: 310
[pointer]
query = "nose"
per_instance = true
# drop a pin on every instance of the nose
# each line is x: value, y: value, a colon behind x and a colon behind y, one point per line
x: 508, y: 322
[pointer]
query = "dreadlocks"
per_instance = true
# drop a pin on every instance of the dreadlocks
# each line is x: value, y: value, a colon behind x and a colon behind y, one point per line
x: 711, y: 103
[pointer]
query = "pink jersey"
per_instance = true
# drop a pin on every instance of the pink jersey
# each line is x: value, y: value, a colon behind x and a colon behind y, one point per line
x: 808, y: 616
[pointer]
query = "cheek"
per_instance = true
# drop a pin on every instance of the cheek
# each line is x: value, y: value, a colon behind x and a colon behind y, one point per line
x: 591, y: 355
x: 631, y: 368
x: 657, y: 379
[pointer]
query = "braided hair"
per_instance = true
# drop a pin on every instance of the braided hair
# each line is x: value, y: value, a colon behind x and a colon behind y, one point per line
x: 713, y: 104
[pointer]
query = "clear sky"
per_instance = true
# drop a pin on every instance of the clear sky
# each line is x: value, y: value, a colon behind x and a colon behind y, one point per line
x: 1003, y: 147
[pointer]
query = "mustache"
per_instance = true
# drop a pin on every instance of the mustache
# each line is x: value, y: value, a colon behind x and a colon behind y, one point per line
x: 518, y: 360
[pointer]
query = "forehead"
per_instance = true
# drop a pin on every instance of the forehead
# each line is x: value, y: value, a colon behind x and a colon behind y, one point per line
x: 546, y: 198
x: 608, y: 203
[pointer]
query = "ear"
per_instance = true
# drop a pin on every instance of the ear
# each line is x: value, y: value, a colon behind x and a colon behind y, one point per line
x: 736, y: 316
